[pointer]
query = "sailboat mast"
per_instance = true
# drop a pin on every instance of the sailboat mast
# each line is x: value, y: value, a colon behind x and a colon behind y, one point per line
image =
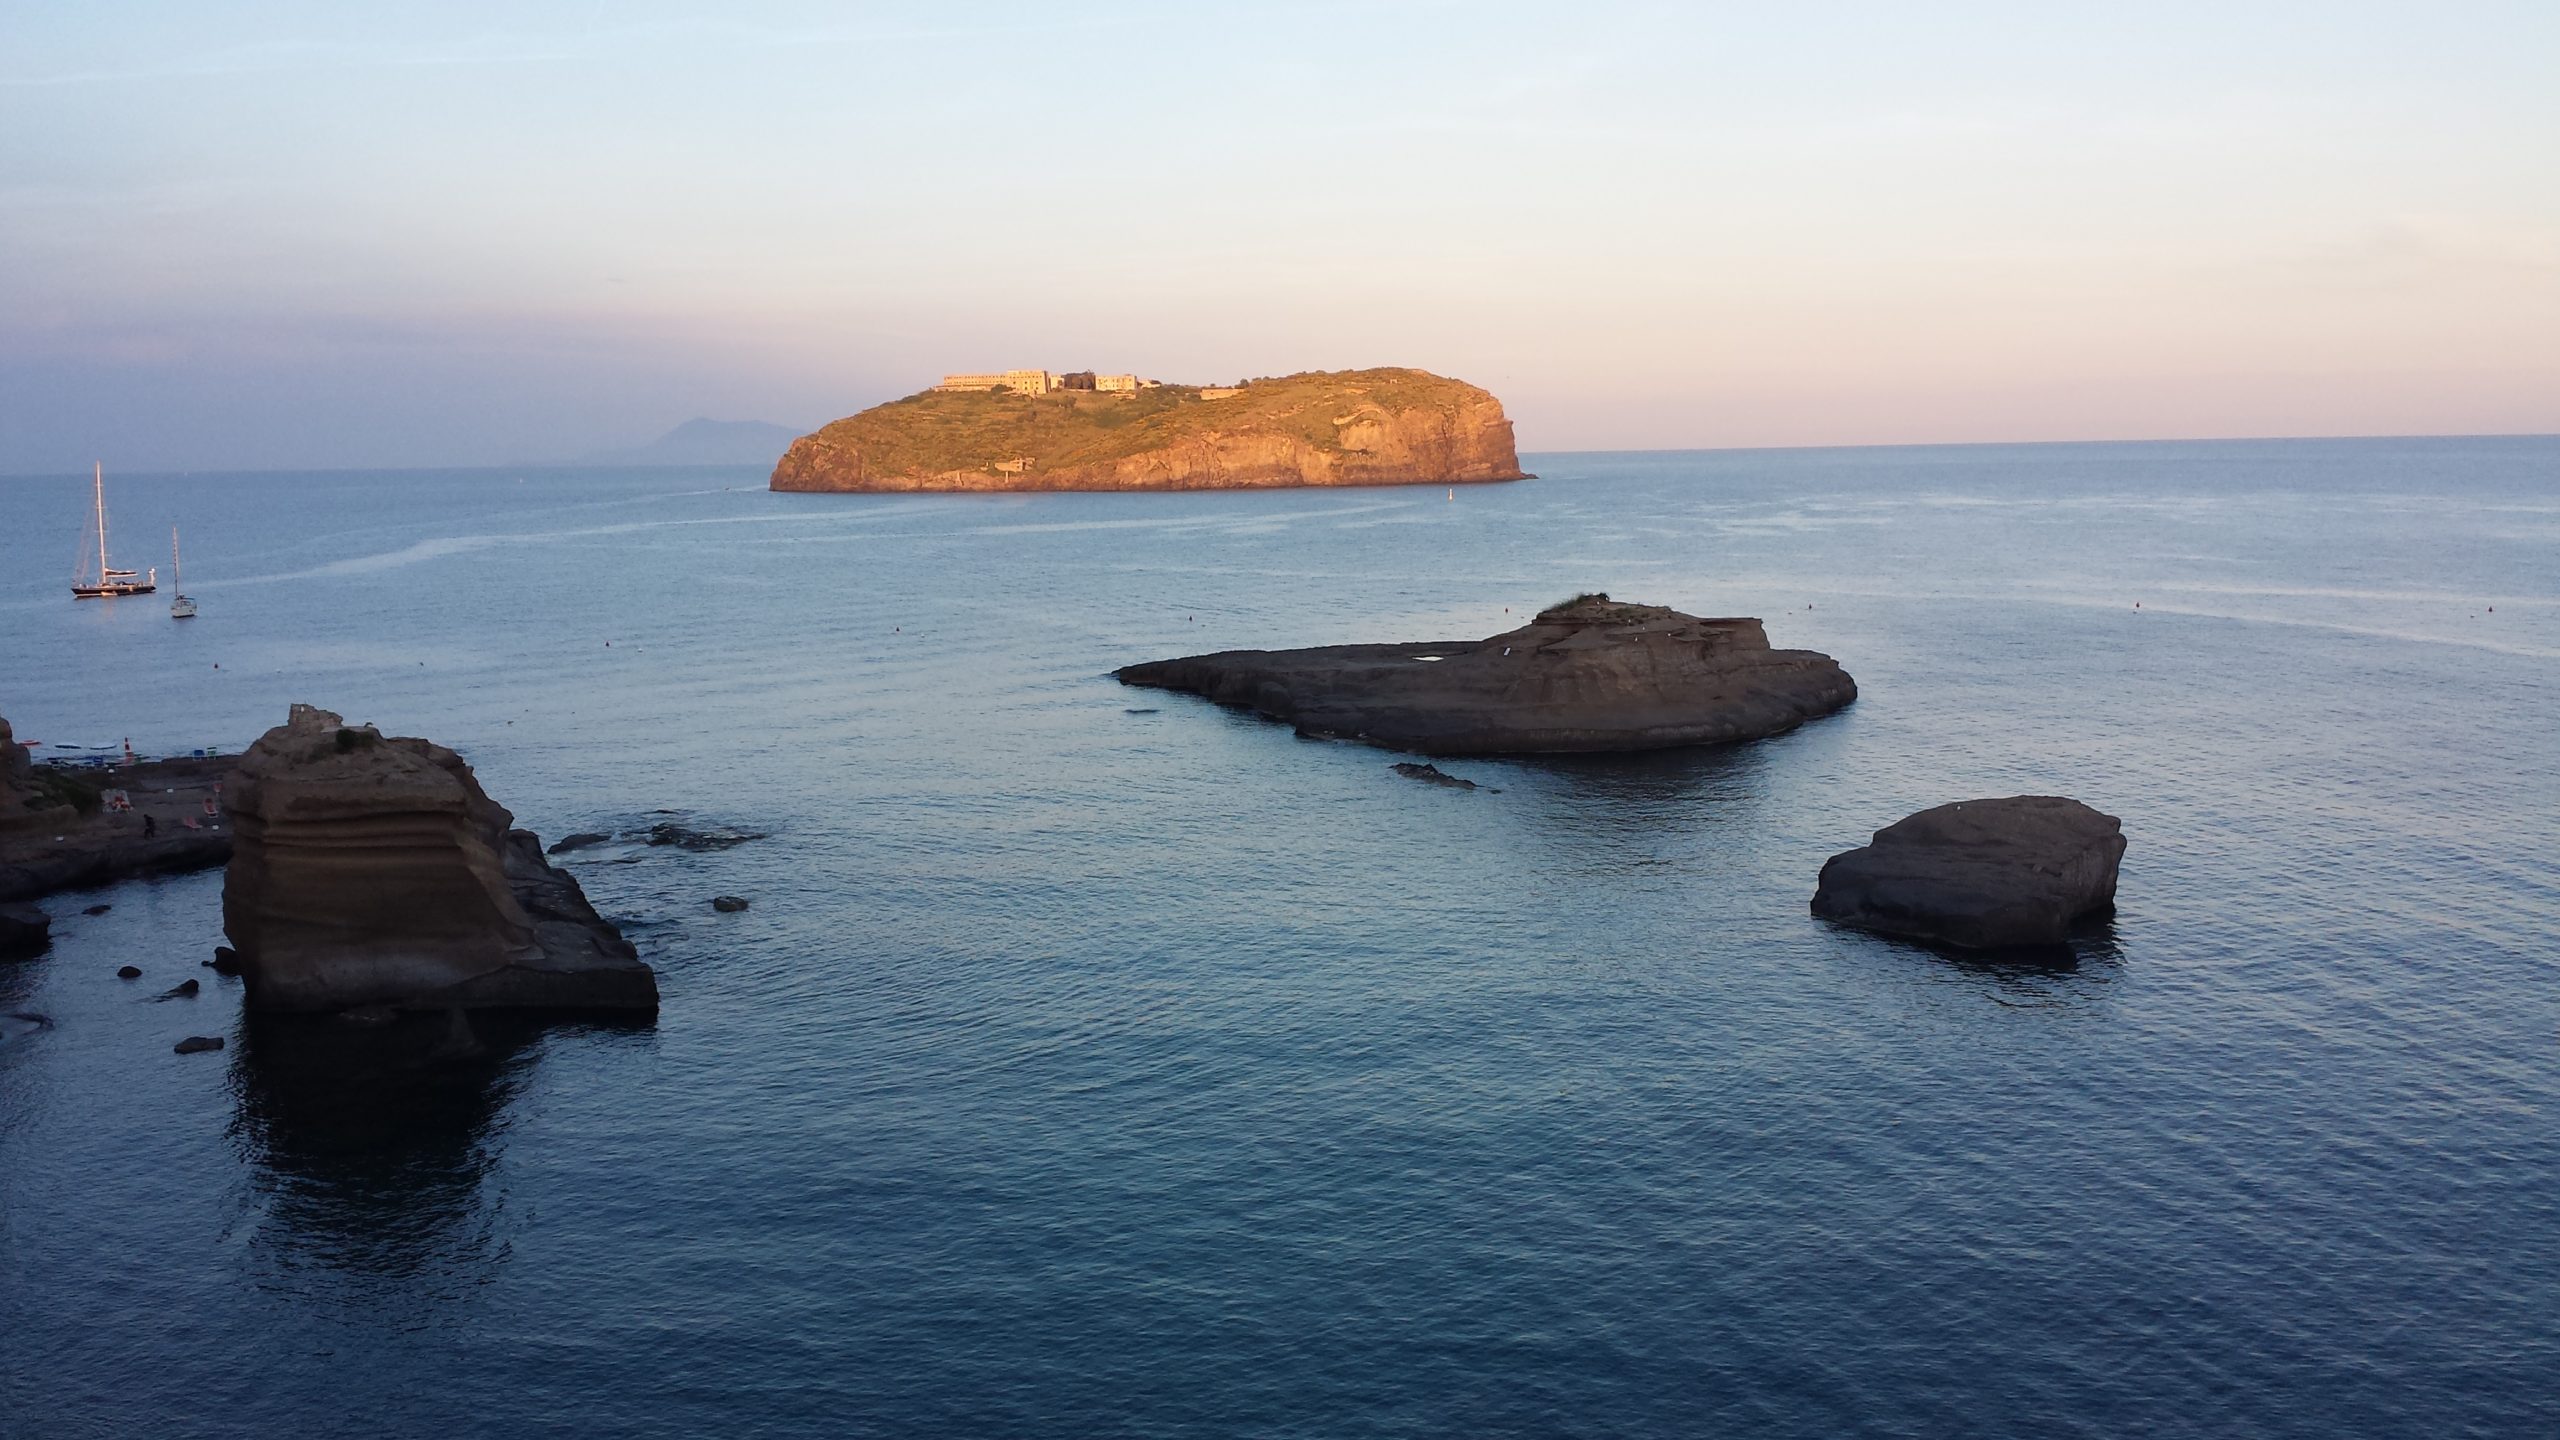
x: 177, y: 572
x: 98, y: 483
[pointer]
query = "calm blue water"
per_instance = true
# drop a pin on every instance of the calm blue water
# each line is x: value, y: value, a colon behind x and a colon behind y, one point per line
x: 1080, y: 1072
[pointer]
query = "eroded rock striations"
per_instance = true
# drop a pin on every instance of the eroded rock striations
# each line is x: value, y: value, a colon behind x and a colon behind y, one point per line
x: 1591, y: 674
x: 1349, y: 427
x: 1981, y: 874
x: 373, y: 870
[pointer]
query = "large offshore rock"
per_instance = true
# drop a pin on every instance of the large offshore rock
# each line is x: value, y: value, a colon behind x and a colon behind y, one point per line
x: 373, y: 870
x: 1590, y: 674
x: 1981, y: 874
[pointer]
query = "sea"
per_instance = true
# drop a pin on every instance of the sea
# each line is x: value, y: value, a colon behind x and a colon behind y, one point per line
x: 1098, y: 1062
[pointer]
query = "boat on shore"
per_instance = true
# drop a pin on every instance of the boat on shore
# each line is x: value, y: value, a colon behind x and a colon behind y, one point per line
x: 105, y: 581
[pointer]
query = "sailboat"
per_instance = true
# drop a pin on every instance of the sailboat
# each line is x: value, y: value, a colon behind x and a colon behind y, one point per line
x: 183, y: 607
x: 106, y: 580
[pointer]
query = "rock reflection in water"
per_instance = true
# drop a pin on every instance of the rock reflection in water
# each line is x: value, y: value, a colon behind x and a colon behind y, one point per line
x: 1650, y: 794
x: 373, y: 1142
x: 2027, y: 977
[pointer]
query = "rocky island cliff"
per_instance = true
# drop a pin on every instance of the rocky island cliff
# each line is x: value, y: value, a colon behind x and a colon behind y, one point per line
x: 1591, y: 674
x: 1343, y: 427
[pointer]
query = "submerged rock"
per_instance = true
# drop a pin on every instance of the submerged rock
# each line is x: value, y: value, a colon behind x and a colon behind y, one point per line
x: 373, y: 870
x: 687, y: 837
x: 728, y: 904
x: 579, y: 841
x: 1981, y: 874
x: 225, y: 961
x: 96, y: 909
x: 128, y: 972
x: 198, y: 1044
x: 24, y: 930
x: 183, y: 990
x: 1591, y: 674
x: 1431, y: 775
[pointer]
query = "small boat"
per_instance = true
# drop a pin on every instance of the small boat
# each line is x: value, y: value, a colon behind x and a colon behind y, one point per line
x: 183, y: 606
x: 106, y: 581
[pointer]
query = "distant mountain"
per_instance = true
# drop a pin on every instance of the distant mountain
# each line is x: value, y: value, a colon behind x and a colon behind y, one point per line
x: 708, y: 442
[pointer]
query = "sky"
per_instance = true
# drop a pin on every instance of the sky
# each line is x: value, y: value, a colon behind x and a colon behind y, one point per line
x: 257, y: 236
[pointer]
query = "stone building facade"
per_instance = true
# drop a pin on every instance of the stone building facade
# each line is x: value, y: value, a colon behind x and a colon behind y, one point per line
x: 1028, y: 382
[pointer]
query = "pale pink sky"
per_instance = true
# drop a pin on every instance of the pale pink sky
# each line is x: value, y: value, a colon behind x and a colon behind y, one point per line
x: 293, y: 236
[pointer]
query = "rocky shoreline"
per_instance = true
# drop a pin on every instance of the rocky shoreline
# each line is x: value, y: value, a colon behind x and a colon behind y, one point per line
x: 48, y: 848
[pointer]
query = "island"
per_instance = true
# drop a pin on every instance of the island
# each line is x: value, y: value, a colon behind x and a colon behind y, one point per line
x: 1032, y: 430
x: 1591, y: 674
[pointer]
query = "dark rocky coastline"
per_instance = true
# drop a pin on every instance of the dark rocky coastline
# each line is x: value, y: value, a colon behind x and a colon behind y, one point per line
x: 1591, y: 674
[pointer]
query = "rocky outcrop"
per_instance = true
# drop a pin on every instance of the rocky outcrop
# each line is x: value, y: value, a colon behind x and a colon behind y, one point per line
x: 1364, y: 427
x: 1592, y: 674
x: 373, y: 870
x: 1980, y: 874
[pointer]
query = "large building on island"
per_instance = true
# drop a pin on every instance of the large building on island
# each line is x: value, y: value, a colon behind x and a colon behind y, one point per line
x: 1041, y: 382
x: 1029, y: 382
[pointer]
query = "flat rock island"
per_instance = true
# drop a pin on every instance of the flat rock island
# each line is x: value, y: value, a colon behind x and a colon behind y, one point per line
x: 1592, y: 674
x: 1032, y: 430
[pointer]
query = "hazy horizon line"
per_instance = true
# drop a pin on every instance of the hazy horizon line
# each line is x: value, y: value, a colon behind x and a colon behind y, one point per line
x: 548, y: 465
